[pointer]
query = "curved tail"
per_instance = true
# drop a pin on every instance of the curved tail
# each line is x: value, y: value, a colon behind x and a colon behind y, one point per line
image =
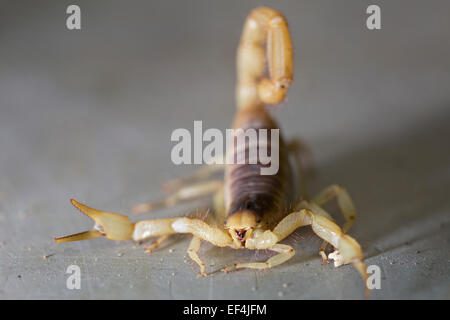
x: 265, y: 38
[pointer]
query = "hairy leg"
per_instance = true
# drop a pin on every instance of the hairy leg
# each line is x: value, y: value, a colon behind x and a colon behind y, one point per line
x: 345, y: 204
x: 149, y: 249
x: 190, y: 192
x: 192, y: 251
x: 217, y: 219
x: 285, y: 252
x: 203, y: 173
x: 344, y: 201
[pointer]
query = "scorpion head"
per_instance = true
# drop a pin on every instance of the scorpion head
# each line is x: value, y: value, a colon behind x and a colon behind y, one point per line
x: 240, y: 225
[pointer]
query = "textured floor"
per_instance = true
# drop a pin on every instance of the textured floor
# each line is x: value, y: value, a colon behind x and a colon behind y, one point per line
x: 88, y: 115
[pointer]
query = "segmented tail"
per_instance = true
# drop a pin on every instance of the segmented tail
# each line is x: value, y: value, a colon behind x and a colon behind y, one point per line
x: 264, y: 27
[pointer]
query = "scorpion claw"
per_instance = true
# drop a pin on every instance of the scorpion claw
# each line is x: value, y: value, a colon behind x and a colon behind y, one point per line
x: 111, y: 225
x: 91, y: 234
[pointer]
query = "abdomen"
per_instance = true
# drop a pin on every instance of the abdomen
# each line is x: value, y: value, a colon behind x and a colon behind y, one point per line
x: 245, y: 187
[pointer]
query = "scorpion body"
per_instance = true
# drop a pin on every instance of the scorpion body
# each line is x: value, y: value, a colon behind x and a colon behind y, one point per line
x: 251, y: 210
x: 260, y: 197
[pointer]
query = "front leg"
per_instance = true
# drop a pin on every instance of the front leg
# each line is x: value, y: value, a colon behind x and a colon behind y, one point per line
x: 344, y: 201
x: 345, y: 204
x: 285, y: 252
x: 149, y: 249
x: 194, y: 246
x: 348, y: 250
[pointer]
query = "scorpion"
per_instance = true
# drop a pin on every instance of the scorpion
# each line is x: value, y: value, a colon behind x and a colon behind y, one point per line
x: 250, y: 210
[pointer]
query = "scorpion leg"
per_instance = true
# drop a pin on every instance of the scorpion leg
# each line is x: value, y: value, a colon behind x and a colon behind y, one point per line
x: 320, y: 211
x: 187, y: 193
x: 345, y: 204
x: 348, y: 250
x: 217, y: 219
x: 344, y: 201
x: 149, y: 249
x: 204, y: 172
x: 304, y: 163
x: 285, y: 252
x: 194, y: 246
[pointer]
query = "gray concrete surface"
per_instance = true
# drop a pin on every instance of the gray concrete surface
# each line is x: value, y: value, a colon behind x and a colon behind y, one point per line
x: 88, y: 115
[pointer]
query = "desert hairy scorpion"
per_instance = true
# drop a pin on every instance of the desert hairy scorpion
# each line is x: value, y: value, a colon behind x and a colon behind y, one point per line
x: 250, y: 210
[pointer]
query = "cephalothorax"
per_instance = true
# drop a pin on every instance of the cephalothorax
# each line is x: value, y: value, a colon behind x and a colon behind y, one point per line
x: 251, y: 210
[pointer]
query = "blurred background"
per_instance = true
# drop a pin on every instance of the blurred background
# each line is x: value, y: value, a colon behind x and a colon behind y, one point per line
x: 88, y: 115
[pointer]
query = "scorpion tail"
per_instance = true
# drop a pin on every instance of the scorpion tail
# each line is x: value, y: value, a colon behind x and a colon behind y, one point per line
x: 265, y: 38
